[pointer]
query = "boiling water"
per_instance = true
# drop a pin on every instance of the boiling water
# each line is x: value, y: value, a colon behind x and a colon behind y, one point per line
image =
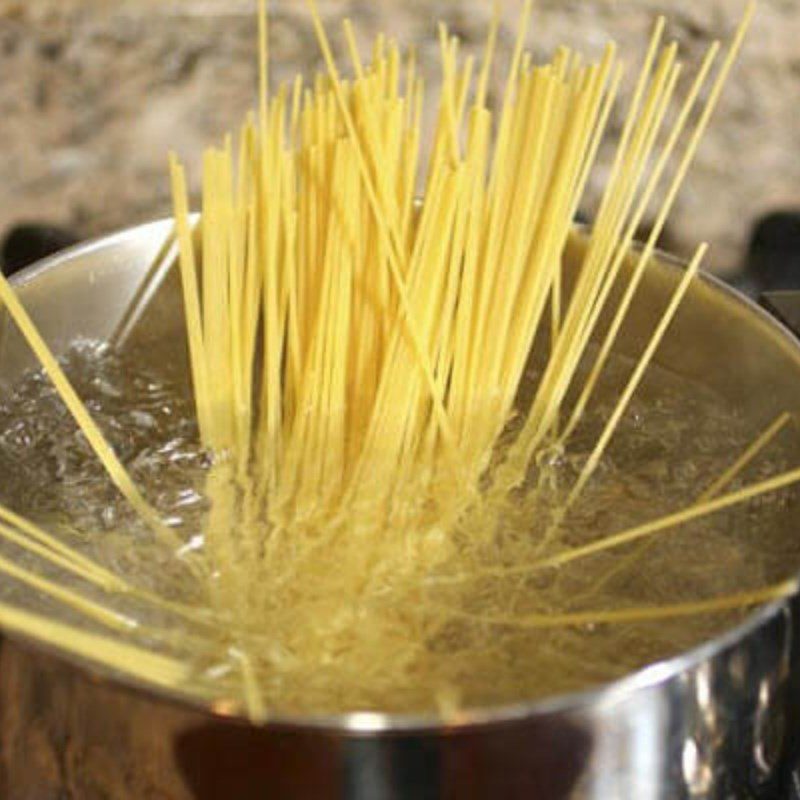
x: 675, y: 439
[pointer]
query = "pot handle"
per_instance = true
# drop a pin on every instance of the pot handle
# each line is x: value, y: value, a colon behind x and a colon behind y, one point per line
x: 30, y: 242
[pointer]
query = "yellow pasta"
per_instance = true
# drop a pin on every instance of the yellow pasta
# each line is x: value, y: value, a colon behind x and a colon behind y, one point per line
x: 359, y: 322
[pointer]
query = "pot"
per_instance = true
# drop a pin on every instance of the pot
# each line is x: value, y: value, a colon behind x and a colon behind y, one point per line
x: 721, y: 721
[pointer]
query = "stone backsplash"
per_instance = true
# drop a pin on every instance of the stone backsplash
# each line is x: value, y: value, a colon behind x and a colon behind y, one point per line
x: 94, y: 93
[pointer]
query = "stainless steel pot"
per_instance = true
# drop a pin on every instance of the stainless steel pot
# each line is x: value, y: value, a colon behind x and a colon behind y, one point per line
x: 719, y: 722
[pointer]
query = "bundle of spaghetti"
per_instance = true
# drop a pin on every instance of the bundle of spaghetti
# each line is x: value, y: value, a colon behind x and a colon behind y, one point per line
x: 372, y: 349
x: 358, y: 356
x: 359, y: 348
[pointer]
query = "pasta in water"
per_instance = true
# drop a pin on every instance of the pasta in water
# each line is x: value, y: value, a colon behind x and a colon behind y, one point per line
x: 360, y: 339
